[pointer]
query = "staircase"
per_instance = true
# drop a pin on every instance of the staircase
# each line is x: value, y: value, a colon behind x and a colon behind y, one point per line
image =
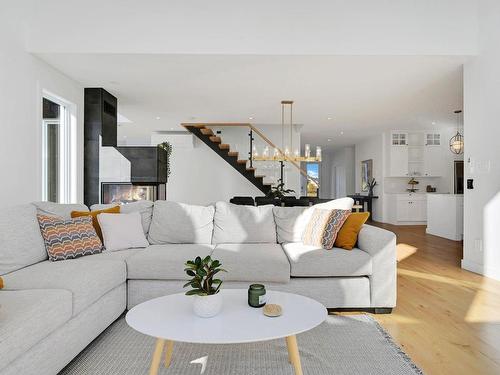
x: 207, y: 136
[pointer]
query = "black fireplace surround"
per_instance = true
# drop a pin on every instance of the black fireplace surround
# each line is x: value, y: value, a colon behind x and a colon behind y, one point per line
x: 148, y: 163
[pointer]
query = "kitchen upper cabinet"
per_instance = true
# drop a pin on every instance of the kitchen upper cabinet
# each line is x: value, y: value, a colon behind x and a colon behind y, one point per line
x: 398, y: 156
x: 416, y: 155
x: 434, y: 160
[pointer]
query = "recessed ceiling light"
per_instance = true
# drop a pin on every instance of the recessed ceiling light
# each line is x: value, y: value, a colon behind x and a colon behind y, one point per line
x: 250, y: 118
x: 433, y: 122
x: 171, y: 128
x: 329, y: 118
x: 341, y: 133
x: 329, y: 139
x: 158, y: 117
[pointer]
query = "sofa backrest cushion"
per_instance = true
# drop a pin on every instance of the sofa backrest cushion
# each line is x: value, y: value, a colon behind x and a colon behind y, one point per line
x: 292, y: 221
x: 145, y: 208
x: 181, y: 223
x: 21, y: 243
x: 58, y: 209
x: 243, y: 224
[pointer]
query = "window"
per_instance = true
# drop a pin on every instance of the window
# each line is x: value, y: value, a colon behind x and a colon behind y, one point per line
x: 58, y: 150
x: 399, y: 139
x: 433, y: 139
x: 312, y: 170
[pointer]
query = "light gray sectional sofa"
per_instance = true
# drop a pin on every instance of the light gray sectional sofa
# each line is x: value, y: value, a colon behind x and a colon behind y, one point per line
x: 49, y: 311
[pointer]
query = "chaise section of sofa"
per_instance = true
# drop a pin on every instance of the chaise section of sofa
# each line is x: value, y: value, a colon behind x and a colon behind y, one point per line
x: 52, y: 310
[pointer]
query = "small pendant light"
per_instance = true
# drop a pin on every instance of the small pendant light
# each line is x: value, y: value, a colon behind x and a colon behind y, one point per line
x: 457, y: 141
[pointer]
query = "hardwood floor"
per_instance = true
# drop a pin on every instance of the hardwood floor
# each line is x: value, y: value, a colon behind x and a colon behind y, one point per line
x: 447, y: 319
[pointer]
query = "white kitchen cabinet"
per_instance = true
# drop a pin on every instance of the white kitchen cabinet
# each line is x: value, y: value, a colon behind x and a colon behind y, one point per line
x: 399, y: 161
x: 410, y: 209
x: 434, y: 161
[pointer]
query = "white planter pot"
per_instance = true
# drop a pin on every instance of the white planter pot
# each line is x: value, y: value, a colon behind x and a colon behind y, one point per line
x: 207, y: 306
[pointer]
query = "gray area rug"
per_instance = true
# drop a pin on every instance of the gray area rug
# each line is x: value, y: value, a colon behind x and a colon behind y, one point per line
x: 341, y: 345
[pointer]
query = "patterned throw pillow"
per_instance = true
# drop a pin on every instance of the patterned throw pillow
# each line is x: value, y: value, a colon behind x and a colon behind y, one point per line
x: 333, y: 226
x: 323, y: 227
x: 69, y: 238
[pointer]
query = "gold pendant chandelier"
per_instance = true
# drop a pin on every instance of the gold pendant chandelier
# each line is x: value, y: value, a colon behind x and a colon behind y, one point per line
x: 285, y: 153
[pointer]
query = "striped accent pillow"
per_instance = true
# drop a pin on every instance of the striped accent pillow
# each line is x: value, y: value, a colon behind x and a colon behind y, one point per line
x: 323, y: 227
x: 69, y: 238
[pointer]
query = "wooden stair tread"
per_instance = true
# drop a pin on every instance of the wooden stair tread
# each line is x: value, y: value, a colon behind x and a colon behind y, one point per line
x: 250, y: 169
x: 241, y: 161
x: 206, y: 131
x: 233, y: 153
x: 215, y: 139
x: 200, y: 126
x: 258, y: 176
x: 224, y: 146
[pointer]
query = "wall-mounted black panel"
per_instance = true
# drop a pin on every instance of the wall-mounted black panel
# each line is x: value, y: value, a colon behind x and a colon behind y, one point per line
x: 100, y: 119
x: 148, y: 163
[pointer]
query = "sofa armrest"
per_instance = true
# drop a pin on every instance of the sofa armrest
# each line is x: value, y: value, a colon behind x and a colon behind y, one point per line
x: 381, y: 245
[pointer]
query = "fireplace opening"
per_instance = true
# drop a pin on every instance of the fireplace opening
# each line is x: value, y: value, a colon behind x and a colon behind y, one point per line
x: 126, y: 192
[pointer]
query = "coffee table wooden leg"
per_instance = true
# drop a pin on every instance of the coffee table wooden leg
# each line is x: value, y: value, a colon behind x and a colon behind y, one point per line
x: 168, y: 354
x: 293, y: 353
x: 155, y: 363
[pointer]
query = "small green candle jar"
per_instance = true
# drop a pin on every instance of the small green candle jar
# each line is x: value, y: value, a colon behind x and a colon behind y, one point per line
x: 257, y: 295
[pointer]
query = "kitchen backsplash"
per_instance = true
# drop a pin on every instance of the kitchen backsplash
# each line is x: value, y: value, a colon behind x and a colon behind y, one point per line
x: 395, y: 185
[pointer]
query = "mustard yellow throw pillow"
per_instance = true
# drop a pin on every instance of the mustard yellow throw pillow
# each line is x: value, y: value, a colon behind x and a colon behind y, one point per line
x: 1, y: 282
x: 93, y: 214
x: 348, y: 234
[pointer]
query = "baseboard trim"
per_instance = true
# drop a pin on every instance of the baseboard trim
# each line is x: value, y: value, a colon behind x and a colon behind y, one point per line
x: 480, y: 269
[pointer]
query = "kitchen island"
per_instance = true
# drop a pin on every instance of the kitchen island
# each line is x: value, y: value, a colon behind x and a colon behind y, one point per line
x: 445, y: 215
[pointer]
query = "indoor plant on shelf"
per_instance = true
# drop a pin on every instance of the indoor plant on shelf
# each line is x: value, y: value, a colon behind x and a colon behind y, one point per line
x: 205, y: 288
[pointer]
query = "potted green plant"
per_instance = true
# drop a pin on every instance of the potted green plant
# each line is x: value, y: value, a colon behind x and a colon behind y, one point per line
x: 204, y: 286
x: 279, y: 192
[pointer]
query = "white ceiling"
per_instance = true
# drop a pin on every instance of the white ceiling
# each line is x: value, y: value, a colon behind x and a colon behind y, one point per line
x: 362, y: 94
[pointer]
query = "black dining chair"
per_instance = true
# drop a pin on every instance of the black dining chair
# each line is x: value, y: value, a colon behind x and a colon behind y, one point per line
x: 242, y: 201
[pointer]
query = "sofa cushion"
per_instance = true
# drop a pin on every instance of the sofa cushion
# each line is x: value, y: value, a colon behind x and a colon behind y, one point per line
x: 21, y: 243
x: 243, y: 224
x: 314, y: 261
x: 122, y: 231
x: 28, y: 316
x: 145, y: 208
x: 253, y: 262
x: 292, y: 221
x: 164, y: 262
x: 181, y: 223
x: 88, y: 278
x: 69, y: 238
x: 58, y: 209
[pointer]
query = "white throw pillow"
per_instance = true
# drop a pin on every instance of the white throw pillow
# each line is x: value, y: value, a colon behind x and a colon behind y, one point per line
x: 243, y: 224
x: 291, y: 222
x: 181, y: 223
x: 122, y: 231
x: 145, y: 208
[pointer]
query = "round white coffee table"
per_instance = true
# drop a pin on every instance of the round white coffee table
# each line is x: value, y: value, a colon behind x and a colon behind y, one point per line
x: 171, y: 319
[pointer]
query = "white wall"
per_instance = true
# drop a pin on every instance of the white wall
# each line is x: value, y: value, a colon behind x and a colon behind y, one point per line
x: 200, y: 176
x: 338, y: 171
x: 23, y: 77
x: 482, y: 153
x: 372, y: 148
